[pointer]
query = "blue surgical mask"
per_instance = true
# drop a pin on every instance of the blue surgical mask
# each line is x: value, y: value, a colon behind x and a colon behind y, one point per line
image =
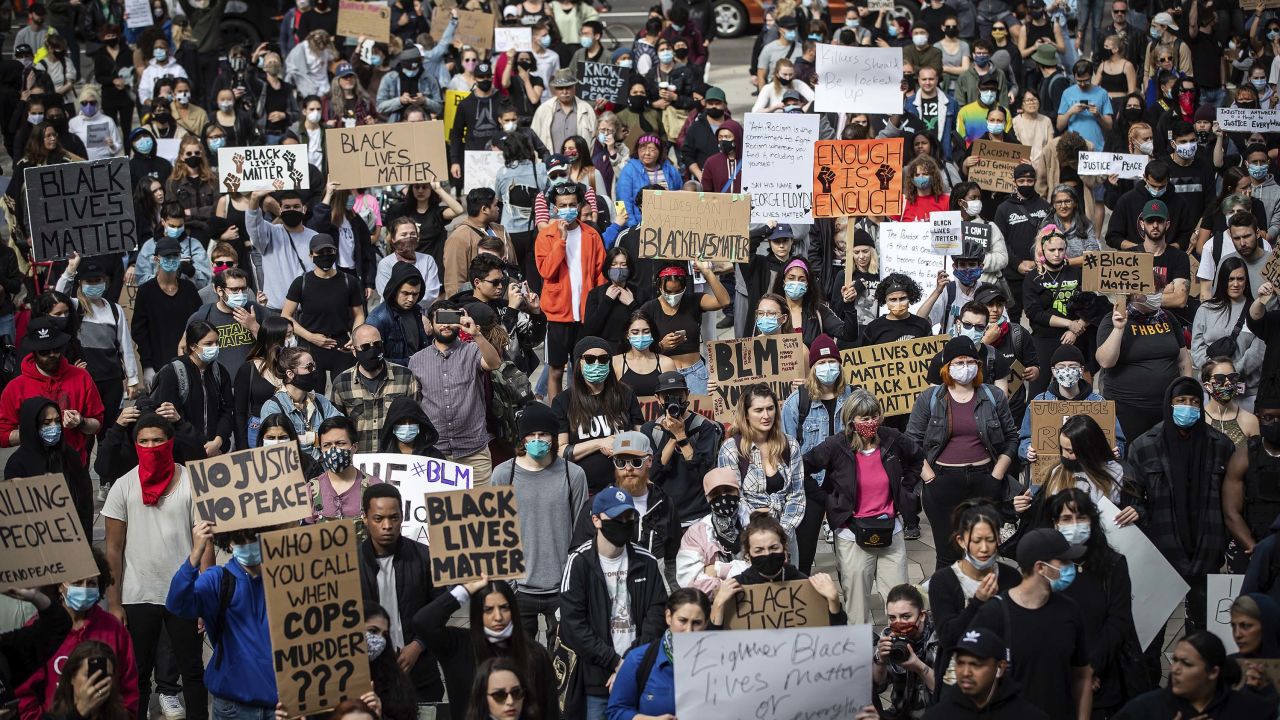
x: 626, y: 63
x: 537, y: 449
x: 145, y: 145
x: 411, y: 73
x: 545, y: 41
x: 1066, y: 576
x: 1154, y: 192
x: 975, y: 336
x: 604, y: 139
x: 827, y: 373
x: 595, y: 373
x: 407, y: 433
x: 247, y: 555
x: 209, y: 354
x: 789, y: 35
x: 666, y: 56
x: 51, y: 434
x: 1156, y: 32
x: 981, y: 564
x: 1076, y: 533
x: 175, y: 232
x: 35, y: 118
x: 1258, y: 172
x: 892, y: 30
x: 921, y: 181
x: 81, y: 598
x: 995, y: 128
x: 982, y: 60
x: 1184, y: 416
x: 93, y: 291
x: 967, y: 276
x: 375, y: 60
x: 640, y: 342
x: 852, y: 22
x: 987, y: 97
x: 767, y: 324
x: 159, y: 54
x: 795, y: 289
x: 587, y: 42
x: 170, y: 264
x: 89, y: 109
x: 237, y: 299
x: 216, y: 144
x: 1258, y: 83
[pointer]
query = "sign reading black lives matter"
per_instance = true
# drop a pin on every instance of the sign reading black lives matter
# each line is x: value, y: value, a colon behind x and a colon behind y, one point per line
x: 251, y: 488
x: 404, y: 153
x: 598, y: 81
x: 272, y: 168
x: 695, y: 226
x: 473, y: 533
x: 1113, y: 272
x: 84, y: 207
x: 311, y: 576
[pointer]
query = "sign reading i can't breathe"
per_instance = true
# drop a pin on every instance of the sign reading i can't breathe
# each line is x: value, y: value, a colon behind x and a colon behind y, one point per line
x: 251, y: 488
x: 473, y: 533
x: 84, y: 207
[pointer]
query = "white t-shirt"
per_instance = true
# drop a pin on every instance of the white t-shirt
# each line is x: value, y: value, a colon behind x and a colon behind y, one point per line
x: 622, y: 627
x: 346, y: 244
x: 157, y: 537
x: 573, y: 258
x: 642, y: 503
x: 1209, y: 269
x: 387, y: 598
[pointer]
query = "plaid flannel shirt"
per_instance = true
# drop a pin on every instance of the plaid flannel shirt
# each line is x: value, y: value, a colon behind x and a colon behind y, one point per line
x: 369, y: 410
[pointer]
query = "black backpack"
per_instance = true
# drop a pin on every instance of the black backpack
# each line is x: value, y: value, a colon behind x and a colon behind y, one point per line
x: 226, y: 591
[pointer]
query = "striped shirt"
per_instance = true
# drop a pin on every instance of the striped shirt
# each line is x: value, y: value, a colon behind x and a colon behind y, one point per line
x: 452, y: 396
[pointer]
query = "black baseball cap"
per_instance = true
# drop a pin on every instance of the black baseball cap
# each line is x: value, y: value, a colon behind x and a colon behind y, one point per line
x: 43, y: 333
x: 1045, y: 544
x: 980, y: 643
x: 671, y: 381
x: 322, y: 241
x: 988, y: 293
x: 168, y: 247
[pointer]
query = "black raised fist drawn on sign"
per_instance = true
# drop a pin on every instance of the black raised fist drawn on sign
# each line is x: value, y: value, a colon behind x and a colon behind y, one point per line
x: 232, y: 181
x: 296, y: 175
x: 885, y: 174
x: 826, y: 176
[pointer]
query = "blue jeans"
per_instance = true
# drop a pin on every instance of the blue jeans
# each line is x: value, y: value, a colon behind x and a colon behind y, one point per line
x: 697, y: 377
x: 224, y: 709
x: 597, y: 707
x: 7, y: 328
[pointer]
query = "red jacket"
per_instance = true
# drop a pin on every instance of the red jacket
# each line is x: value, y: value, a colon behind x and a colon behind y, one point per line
x: 35, y: 696
x: 553, y: 266
x: 71, y: 387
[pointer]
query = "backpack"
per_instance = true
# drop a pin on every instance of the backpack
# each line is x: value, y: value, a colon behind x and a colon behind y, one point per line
x: 226, y: 591
x: 184, y: 382
x: 647, y: 662
x: 510, y: 392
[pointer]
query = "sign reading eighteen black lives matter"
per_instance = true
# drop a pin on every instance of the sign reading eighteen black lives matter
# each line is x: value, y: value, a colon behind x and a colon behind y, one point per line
x: 84, y: 207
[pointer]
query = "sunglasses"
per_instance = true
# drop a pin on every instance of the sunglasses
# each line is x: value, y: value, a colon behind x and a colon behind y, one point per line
x: 1228, y: 379
x: 595, y: 359
x: 500, y: 696
x: 635, y: 463
x: 376, y: 344
x: 973, y: 326
x: 48, y: 353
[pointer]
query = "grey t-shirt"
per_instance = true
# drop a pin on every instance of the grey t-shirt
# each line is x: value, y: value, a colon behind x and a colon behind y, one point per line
x: 549, y: 501
x: 387, y: 599
x: 234, y: 339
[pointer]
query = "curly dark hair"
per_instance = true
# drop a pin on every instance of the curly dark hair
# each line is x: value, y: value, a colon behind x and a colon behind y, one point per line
x: 896, y: 282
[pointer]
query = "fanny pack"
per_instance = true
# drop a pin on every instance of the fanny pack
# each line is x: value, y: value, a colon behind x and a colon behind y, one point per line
x: 873, y: 532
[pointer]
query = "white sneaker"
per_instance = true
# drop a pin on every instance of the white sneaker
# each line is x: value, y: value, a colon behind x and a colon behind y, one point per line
x: 171, y: 707
x: 827, y: 535
x: 103, y: 489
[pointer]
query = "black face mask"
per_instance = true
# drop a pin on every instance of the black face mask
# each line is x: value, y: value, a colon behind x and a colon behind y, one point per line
x: 192, y: 161
x: 681, y: 53
x: 1133, y: 114
x: 1027, y: 191
x: 61, y: 323
x: 326, y: 261
x: 617, y: 532
x: 484, y: 85
x: 1270, y: 433
x: 305, y: 383
x: 715, y: 113
x: 769, y: 565
x: 951, y: 32
x: 637, y: 103
x: 370, y: 358
x: 527, y: 65
x: 59, y: 124
x: 726, y: 146
x: 726, y: 506
x: 292, y: 218
x: 1074, y: 466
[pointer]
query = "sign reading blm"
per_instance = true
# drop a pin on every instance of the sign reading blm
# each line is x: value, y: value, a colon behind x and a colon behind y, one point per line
x: 598, y: 81
x: 735, y: 365
x: 84, y: 207
x: 311, y: 576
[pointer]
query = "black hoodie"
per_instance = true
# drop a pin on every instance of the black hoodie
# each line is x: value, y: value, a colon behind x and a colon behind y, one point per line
x: 151, y: 164
x: 402, y: 331
x: 1005, y: 705
x: 33, y: 458
x: 402, y: 409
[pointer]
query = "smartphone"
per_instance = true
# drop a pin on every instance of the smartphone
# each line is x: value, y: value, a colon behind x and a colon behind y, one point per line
x: 448, y: 317
x: 619, y: 207
x: 98, y: 665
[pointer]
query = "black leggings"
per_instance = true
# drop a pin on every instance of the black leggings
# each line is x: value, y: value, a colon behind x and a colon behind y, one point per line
x: 950, y: 487
x: 333, y: 361
x: 815, y: 508
x: 146, y: 622
x: 112, y: 394
x: 1136, y: 420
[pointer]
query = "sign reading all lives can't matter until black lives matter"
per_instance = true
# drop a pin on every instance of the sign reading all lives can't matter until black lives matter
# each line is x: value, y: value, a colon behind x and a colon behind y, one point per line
x: 82, y: 207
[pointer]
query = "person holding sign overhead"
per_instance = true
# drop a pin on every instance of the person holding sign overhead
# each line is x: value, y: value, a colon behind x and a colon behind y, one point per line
x: 676, y: 315
x: 646, y: 682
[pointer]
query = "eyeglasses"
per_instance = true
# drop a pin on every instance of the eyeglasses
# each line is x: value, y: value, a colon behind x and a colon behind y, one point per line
x: 595, y: 359
x: 635, y: 463
x: 951, y: 27
x: 500, y: 696
x: 376, y: 344
x: 310, y: 368
x: 767, y: 314
x: 999, y: 28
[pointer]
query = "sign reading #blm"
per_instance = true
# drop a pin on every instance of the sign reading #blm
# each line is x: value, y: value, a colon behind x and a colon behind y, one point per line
x: 84, y: 207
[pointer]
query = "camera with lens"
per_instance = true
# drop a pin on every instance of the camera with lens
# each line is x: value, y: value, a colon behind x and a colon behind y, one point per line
x: 900, y: 651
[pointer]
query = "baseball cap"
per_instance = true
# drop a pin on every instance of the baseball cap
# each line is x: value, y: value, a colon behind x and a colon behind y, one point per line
x: 1045, y: 544
x: 782, y: 232
x: 484, y: 70
x: 1155, y: 209
x: 714, y: 93
x: 343, y: 70
x: 23, y: 50
x: 980, y: 643
x: 988, y: 293
x: 1164, y: 19
x: 167, y: 247
x: 557, y: 162
x: 612, y: 502
x: 671, y: 381
x: 93, y: 267
x: 792, y: 95
x: 631, y: 442
x: 321, y: 241
x: 720, y: 477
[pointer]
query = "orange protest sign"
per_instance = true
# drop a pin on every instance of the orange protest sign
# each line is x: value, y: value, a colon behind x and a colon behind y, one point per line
x: 857, y: 178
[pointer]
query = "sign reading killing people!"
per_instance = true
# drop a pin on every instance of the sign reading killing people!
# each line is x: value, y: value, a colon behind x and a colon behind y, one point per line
x: 41, y: 540
x: 82, y: 207
x: 695, y: 226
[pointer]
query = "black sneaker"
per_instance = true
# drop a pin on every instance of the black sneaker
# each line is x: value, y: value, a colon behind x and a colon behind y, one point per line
x: 911, y: 532
x: 725, y: 322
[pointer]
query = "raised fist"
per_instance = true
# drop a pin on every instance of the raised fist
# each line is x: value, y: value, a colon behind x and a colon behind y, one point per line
x: 238, y: 159
x: 826, y: 176
x: 885, y: 174
x: 288, y: 156
x: 296, y: 175
x: 232, y: 181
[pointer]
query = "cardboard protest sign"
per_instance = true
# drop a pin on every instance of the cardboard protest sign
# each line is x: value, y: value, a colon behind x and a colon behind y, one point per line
x: 996, y: 161
x: 652, y: 408
x: 452, y: 99
x: 1123, y: 165
x: 1047, y: 417
x: 857, y: 178
x: 947, y: 232
x: 475, y: 27
x: 139, y: 14
x: 695, y: 226
x: 371, y: 19
x: 473, y: 533
x: 387, y: 154
x: 251, y: 488
x: 775, y: 360
x: 415, y: 476
x: 776, y: 171
x: 880, y: 5
x: 894, y: 372
x: 792, y: 673
x: 84, y: 207
x: 858, y: 80
x: 1222, y: 590
x: 480, y: 169
x: 1255, y: 4
x: 905, y: 248
x: 263, y: 167
x: 1014, y: 378
x: 1249, y: 120
x: 600, y: 81
x: 1113, y: 272
x: 41, y: 539
x: 769, y: 606
x: 1157, y: 587
x: 311, y: 576
x: 1271, y: 269
x: 519, y: 39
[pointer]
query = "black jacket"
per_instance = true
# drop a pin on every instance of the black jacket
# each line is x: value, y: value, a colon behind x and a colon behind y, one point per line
x: 33, y: 458
x: 762, y: 265
x: 26, y: 649
x: 1124, y: 219
x: 464, y: 135
x: 363, y: 255
x: 208, y: 405
x: 700, y: 141
x: 585, y: 610
x: 608, y: 318
x: 411, y: 562
x: 1019, y: 220
x: 402, y: 409
x: 1005, y: 705
x: 900, y: 456
x: 681, y: 479
x: 952, y: 614
x: 652, y: 531
x: 1233, y: 704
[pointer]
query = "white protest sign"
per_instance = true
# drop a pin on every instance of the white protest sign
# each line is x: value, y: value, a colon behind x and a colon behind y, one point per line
x: 859, y: 79
x: 1127, y: 166
x: 947, y: 235
x: 481, y: 169
x: 1248, y: 120
x: 263, y: 167
x: 518, y: 38
x: 905, y: 247
x: 778, y: 169
x: 1157, y: 588
x: 415, y: 476
x: 139, y: 14
x: 793, y: 673
x: 167, y: 148
x: 1222, y: 591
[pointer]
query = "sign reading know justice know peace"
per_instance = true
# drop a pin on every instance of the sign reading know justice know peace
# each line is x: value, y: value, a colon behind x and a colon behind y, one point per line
x: 84, y: 207
x: 41, y: 541
x: 473, y: 533
x: 311, y: 576
x: 251, y: 488
x: 695, y: 226
x: 601, y: 81
x: 894, y: 372
x: 386, y: 154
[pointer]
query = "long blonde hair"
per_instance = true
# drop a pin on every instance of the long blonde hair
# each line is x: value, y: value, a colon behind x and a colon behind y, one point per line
x: 777, y: 67
x: 776, y: 442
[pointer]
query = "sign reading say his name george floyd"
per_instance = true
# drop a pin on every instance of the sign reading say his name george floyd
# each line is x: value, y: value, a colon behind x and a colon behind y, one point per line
x: 473, y: 533
x: 776, y: 171
x: 695, y: 226
x: 857, y: 178
x: 371, y: 19
x: 251, y: 488
x: 599, y: 81
x: 775, y: 360
x: 894, y: 372
x: 84, y: 207
x: 996, y: 161
x: 41, y: 541
x: 1113, y: 272
x: 311, y: 576
x: 270, y: 167
x: 387, y: 154
x: 768, y: 606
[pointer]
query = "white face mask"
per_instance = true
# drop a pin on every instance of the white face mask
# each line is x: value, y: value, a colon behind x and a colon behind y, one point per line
x: 973, y: 207
x: 964, y: 374
x: 509, y: 127
x: 313, y: 116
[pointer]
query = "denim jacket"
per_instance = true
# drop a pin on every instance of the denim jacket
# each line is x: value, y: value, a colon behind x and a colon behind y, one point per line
x: 816, y: 424
x: 930, y: 428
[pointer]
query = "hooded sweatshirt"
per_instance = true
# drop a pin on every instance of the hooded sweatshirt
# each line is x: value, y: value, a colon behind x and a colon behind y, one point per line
x: 719, y: 168
x: 402, y: 330
x: 152, y: 164
x: 35, y: 696
x: 34, y: 458
x: 1005, y: 704
x: 69, y: 386
x: 402, y: 410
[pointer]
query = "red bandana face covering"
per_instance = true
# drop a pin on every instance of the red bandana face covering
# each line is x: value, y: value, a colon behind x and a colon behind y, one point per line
x: 155, y: 470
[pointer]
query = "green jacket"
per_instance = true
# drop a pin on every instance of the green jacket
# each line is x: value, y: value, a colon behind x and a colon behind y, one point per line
x: 928, y: 56
x: 967, y: 86
x: 204, y: 23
